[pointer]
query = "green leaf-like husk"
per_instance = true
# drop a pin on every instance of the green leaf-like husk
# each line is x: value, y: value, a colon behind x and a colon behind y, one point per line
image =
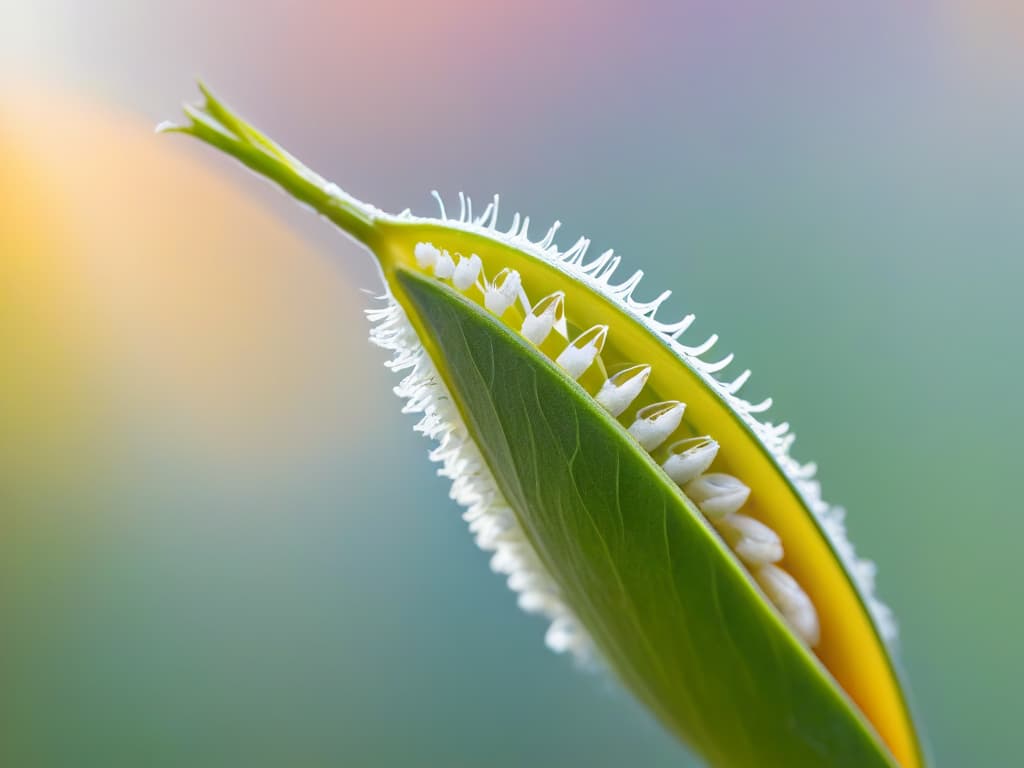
x: 664, y: 601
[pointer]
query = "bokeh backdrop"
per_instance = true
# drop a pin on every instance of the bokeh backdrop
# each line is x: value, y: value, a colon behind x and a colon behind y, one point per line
x: 221, y: 545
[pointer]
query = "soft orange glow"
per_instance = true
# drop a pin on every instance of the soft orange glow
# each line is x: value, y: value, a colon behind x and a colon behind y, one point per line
x: 126, y: 264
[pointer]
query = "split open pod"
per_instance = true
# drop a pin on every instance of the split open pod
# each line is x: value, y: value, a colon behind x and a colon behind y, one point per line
x: 628, y: 491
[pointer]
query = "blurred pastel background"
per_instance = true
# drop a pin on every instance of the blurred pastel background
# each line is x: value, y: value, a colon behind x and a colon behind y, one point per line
x: 220, y: 543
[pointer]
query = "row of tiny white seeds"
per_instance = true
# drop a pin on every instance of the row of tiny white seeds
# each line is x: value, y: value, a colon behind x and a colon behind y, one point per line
x: 719, y: 496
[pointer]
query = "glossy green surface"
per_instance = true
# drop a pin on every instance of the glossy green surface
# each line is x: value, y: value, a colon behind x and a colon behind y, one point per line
x: 667, y: 605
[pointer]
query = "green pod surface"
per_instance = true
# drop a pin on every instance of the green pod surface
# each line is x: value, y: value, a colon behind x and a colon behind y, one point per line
x: 630, y: 495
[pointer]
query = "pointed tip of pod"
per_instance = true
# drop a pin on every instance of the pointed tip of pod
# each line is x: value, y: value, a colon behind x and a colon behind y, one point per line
x: 619, y: 391
x: 792, y: 602
x: 655, y: 422
x: 717, y: 494
x: 690, y: 458
x: 503, y: 291
x: 545, y: 315
x: 581, y: 351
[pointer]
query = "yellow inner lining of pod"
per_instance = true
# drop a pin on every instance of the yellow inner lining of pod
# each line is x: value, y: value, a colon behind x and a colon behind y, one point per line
x: 850, y: 648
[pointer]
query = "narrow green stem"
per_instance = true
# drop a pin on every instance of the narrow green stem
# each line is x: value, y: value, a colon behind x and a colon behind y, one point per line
x: 215, y: 124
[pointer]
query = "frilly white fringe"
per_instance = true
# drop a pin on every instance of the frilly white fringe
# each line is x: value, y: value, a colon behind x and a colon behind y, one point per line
x: 491, y: 519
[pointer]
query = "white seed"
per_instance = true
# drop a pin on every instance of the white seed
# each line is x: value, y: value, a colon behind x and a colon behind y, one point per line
x: 426, y: 254
x: 690, y: 458
x: 581, y: 351
x: 444, y: 267
x: 753, y: 541
x: 620, y: 390
x: 503, y: 291
x: 543, y: 316
x: 466, y: 271
x: 717, y: 494
x: 654, y: 423
x: 792, y: 602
